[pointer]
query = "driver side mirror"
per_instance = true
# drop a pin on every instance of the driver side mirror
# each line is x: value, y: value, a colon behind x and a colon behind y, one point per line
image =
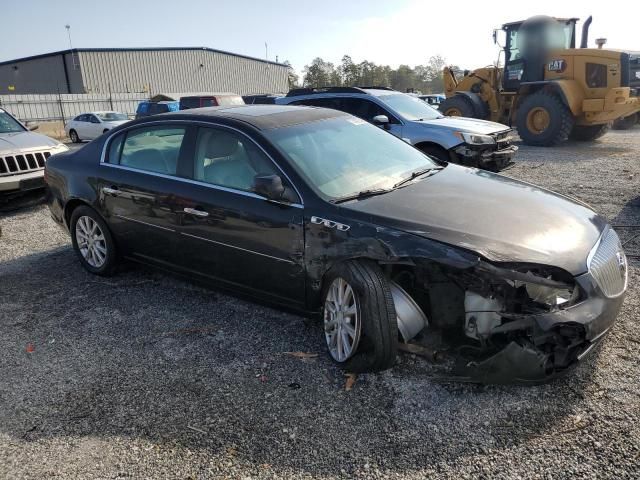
x: 381, y: 121
x: 32, y: 126
x: 269, y: 186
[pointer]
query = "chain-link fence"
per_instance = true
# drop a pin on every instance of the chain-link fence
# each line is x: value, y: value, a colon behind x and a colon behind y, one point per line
x: 63, y: 107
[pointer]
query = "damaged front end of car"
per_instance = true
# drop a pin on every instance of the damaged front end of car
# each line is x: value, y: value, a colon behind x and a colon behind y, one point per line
x: 516, y: 323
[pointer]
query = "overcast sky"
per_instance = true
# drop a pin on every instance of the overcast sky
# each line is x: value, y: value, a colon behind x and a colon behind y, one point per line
x: 389, y: 32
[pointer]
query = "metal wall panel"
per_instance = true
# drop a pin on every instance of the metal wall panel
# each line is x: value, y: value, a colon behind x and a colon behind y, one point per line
x: 159, y: 71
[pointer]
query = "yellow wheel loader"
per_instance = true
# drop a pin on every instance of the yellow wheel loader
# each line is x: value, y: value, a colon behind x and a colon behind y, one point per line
x: 547, y: 88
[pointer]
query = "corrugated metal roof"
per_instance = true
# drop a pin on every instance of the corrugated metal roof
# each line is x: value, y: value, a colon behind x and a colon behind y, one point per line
x: 142, y: 49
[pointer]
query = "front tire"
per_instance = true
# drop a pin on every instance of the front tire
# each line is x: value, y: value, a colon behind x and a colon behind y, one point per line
x: 360, y: 323
x: 93, y: 241
x: 457, y: 106
x: 73, y: 135
x: 588, y: 133
x: 543, y: 120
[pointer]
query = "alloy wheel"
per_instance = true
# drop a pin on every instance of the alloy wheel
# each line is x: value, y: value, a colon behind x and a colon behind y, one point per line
x: 341, y: 320
x: 91, y: 241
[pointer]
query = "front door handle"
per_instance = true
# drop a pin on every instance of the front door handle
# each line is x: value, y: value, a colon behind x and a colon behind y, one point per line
x: 196, y: 212
x: 111, y: 191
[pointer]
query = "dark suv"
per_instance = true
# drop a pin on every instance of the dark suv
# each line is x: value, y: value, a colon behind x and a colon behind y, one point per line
x: 468, y: 141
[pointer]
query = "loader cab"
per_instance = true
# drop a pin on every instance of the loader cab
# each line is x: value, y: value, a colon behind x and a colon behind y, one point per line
x: 526, y: 46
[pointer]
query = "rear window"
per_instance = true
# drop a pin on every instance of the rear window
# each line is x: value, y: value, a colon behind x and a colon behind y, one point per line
x: 189, y: 102
x: 156, y: 108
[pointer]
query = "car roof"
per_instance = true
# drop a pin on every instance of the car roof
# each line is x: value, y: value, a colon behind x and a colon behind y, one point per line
x: 381, y: 93
x: 210, y: 94
x: 262, y: 117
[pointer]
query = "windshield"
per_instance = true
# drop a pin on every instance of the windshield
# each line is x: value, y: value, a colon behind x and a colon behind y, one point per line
x: 9, y: 124
x: 346, y: 155
x: 111, y: 116
x: 411, y: 108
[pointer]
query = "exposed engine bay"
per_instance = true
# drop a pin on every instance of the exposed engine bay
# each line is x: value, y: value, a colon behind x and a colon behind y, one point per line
x: 493, y: 322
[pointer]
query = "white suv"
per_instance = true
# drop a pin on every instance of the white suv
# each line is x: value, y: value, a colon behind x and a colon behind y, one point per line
x: 23, y: 155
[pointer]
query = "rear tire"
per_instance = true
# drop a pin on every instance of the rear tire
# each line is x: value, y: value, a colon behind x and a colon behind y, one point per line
x: 376, y: 326
x: 589, y: 132
x: 73, y: 135
x: 543, y: 120
x: 92, y: 241
x: 626, y: 123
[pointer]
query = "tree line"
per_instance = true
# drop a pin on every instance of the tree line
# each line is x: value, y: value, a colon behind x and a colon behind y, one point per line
x: 423, y: 78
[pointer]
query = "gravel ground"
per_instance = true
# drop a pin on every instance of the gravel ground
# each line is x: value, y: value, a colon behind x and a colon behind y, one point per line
x: 147, y: 376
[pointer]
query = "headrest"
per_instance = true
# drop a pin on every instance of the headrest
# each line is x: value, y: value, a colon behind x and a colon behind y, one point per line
x: 221, y: 145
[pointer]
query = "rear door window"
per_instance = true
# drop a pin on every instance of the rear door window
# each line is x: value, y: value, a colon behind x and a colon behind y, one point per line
x: 153, y: 149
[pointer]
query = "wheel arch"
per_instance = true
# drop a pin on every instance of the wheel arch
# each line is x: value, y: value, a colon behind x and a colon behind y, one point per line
x: 568, y: 91
x: 74, y: 203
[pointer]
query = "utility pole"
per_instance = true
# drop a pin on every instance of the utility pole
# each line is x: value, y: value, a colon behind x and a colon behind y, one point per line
x: 266, y: 51
x: 68, y: 27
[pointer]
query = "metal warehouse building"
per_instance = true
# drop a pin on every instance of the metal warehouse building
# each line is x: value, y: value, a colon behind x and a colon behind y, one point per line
x: 150, y: 70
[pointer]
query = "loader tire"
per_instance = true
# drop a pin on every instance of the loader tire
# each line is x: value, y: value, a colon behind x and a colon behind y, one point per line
x: 626, y: 123
x: 457, y: 106
x: 543, y: 120
x: 588, y: 133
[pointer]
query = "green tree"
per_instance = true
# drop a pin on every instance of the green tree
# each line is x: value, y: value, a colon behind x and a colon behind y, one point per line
x: 349, y: 72
x: 319, y: 74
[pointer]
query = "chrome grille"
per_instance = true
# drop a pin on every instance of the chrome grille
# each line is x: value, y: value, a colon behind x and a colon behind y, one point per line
x: 16, y: 164
x: 608, y: 264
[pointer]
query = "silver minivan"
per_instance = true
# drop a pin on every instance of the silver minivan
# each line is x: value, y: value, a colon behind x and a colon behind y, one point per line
x: 467, y: 141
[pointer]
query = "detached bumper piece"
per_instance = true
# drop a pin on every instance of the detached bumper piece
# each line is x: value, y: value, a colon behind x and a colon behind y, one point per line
x: 486, y: 157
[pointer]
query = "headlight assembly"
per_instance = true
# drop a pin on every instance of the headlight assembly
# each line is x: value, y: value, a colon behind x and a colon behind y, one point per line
x: 476, y: 139
x: 553, y: 297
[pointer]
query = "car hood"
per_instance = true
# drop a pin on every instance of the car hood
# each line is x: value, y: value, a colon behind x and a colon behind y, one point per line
x: 19, y: 141
x: 499, y: 218
x: 470, y: 125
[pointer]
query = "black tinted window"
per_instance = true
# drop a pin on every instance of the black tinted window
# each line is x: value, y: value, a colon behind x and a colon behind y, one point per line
x: 156, y: 108
x: 154, y: 149
x: 596, y: 75
x: 230, y: 160
x: 186, y: 103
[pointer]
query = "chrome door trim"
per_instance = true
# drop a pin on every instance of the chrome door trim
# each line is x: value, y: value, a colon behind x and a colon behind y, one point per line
x: 197, y: 182
x: 196, y: 212
x: 200, y: 124
x: 238, y: 248
x: 143, y: 223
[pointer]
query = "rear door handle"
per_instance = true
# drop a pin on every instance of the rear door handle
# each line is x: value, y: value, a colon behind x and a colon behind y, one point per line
x: 196, y: 212
x: 111, y: 191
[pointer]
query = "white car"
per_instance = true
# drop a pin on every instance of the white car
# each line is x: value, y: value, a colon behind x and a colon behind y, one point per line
x: 88, y: 126
x: 23, y: 155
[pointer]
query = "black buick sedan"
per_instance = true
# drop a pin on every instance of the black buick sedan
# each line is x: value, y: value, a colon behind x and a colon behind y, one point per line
x: 321, y: 212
